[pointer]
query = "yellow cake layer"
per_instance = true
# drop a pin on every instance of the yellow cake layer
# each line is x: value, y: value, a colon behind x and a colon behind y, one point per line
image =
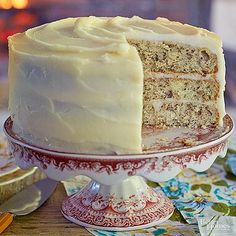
x: 172, y: 113
x: 179, y: 88
x: 175, y: 57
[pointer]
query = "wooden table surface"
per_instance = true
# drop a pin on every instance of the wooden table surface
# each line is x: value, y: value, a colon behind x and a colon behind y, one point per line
x: 47, y: 220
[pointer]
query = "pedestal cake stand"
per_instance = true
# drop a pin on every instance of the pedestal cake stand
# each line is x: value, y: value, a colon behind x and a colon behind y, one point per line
x: 118, y: 197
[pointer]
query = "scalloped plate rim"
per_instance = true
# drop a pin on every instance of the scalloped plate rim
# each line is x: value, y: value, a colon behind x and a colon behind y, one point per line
x: 16, y: 139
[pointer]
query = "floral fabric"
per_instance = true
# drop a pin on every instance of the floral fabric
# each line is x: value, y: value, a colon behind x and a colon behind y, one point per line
x: 194, y: 194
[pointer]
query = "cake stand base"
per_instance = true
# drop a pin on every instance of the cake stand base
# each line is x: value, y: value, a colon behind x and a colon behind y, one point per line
x: 130, y: 205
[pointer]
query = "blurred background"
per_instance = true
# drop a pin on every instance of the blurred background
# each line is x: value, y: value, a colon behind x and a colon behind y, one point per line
x: 216, y: 15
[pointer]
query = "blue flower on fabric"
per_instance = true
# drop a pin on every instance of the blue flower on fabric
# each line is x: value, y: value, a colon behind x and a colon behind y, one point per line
x: 159, y: 231
x: 200, y: 202
x: 226, y: 194
x: 196, y: 202
x: 175, y: 188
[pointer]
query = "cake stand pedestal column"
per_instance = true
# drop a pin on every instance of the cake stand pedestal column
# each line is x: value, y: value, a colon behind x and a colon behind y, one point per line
x: 131, y: 204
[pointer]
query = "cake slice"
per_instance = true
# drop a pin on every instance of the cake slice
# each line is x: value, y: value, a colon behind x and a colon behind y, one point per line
x: 183, y: 75
x: 181, y: 87
x: 90, y: 84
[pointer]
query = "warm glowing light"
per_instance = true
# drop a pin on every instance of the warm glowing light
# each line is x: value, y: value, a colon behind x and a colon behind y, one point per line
x: 6, y: 4
x: 20, y: 4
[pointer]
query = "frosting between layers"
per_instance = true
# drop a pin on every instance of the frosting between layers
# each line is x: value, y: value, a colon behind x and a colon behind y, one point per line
x: 83, y: 69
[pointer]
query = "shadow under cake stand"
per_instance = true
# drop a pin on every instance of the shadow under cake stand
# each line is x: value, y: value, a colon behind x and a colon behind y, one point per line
x: 118, y: 198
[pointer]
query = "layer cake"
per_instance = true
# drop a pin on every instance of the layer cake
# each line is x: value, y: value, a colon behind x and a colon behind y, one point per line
x: 90, y: 84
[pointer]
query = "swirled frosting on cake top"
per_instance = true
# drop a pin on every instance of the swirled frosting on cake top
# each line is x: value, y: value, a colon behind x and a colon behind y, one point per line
x: 77, y: 84
x: 104, y: 35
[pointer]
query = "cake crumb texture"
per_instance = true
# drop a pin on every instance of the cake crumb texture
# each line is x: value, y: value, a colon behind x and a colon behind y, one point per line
x: 175, y: 114
x: 178, y: 88
x: 175, y: 57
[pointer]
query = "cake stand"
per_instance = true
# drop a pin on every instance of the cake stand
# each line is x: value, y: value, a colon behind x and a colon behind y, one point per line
x: 118, y: 198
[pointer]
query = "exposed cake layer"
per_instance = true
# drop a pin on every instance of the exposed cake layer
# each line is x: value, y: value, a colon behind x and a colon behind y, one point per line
x: 171, y: 113
x: 180, y: 101
x: 169, y: 57
x: 180, y: 72
x: 180, y: 89
x: 192, y: 76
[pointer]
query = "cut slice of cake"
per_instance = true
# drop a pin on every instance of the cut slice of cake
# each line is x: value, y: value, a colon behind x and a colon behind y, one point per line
x: 89, y: 84
x: 180, y: 85
x: 183, y: 75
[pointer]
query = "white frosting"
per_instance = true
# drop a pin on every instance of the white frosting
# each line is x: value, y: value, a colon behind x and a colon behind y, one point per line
x: 78, y: 80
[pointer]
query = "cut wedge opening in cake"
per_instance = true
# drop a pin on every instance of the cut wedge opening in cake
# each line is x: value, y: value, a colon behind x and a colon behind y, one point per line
x: 180, y: 86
